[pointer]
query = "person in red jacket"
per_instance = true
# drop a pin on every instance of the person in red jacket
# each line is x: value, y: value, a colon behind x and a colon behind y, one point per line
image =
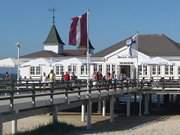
x: 66, y: 76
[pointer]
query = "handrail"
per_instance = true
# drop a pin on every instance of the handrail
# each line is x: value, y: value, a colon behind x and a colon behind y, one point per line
x: 34, y: 90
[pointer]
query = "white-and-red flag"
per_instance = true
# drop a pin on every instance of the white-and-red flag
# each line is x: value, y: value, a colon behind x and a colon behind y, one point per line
x: 78, y: 34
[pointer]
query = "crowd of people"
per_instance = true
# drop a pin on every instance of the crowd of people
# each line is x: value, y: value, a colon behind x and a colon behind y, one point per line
x: 110, y: 77
x: 51, y: 77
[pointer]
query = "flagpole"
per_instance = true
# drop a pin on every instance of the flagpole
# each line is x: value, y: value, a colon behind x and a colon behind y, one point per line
x: 88, y: 55
x: 137, y: 42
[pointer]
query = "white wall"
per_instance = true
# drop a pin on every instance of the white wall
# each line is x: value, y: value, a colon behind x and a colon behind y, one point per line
x: 53, y: 48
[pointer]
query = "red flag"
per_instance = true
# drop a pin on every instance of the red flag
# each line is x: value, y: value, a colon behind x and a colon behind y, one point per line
x: 84, y: 34
x: 73, y: 31
x: 78, y: 31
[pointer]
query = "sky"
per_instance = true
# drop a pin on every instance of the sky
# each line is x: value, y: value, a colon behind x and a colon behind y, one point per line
x: 110, y: 21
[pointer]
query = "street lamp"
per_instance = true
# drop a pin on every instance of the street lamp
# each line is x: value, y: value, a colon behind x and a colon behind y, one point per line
x: 18, y: 53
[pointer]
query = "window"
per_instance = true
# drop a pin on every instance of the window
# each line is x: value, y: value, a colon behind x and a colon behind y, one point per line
x: 32, y: 70
x: 59, y: 70
x: 38, y: 70
x: 171, y: 69
x: 84, y: 69
x: 74, y: 68
x: 166, y: 70
x: 35, y: 70
x: 107, y: 68
x: 145, y: 70
x: 178, y: 70
x: 158, y: 70
x: 95, y: 68
x: 100, y: 68
x: 69, y: 68
x: 140, y: 69
x: 113, y: 68
x: 153, y: 70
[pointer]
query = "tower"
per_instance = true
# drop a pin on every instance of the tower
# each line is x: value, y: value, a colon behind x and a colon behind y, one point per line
x: 53, y: 41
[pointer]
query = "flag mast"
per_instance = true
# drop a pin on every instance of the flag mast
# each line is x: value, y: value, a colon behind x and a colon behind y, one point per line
x: 137, y: 42
x: 88, y: 55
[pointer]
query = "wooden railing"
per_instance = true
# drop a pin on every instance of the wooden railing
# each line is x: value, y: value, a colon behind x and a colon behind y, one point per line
x: 12, y: 90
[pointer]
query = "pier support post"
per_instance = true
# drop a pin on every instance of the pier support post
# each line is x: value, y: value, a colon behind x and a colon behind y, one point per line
x: 89, y: 112
x: 146, y: 103
x: 140, y: 105
x: 54, y: 114
x: 112, y: 108
x: 99, y: 106
x: 83, y: 112
x: 14, y: 123
x: 1, y: 125
x: 174, y: 98
x: 104, y: 108
x: 128, y: 106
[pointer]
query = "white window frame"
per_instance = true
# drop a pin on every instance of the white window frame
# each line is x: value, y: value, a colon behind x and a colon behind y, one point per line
x: 36, y: 70
x: 144, y: 70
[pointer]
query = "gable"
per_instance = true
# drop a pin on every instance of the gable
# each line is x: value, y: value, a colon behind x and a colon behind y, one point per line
x: 151, y: 45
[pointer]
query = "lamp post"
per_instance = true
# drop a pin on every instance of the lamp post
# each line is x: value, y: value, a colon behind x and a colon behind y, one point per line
x: 18, y: 53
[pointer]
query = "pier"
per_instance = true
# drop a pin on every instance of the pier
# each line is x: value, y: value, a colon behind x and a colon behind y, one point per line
x: 27, y: 98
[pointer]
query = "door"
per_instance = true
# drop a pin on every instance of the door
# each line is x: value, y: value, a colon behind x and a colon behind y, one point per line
x: 125, y: 70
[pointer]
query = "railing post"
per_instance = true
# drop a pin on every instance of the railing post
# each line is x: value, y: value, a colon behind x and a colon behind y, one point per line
x: 52, y: 93
x: 89, y: 90
x: 66, y: 92
x: 89, y: 112
x: 79, y: 90
x: 121, y: 84
x: 14, y: 123
x: 99, y: 106
x: 140, y: 104
x: 146, y: 103
x: 12, y: 100
x: 54, y: 114
x: 26, y: 84
x: 1, y: 124
x: 104, y: 107
x: 163, y: 84
x: 99, y: 89
x: 83, y: 112
x: 108, y: 85
x: 33, y: 94
x: 112, y: 108
x: 128, y: 106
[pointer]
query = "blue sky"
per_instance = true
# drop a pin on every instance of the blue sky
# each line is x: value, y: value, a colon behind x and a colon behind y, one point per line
x: 29, y: 21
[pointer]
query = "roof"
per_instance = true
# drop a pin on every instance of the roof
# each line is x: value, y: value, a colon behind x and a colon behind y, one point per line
x: 90, y: 46
x: 46, y: 54
x: 151, y: 45
x: 53, y: 37
x: 40, y: 54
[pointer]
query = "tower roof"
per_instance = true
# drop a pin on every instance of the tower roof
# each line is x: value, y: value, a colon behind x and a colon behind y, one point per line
x: 53, y: 37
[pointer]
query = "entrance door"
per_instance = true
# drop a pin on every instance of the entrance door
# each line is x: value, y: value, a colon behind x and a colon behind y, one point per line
x: 125, y: 70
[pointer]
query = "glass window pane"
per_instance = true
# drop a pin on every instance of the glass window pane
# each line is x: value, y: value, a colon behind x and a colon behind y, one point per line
x: 32, y: 70
x: 38, y: 70
x: 166, y: 70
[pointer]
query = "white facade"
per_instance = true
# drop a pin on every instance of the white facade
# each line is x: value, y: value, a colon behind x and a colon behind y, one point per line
x: 117, y: 61
x: 54, y: 48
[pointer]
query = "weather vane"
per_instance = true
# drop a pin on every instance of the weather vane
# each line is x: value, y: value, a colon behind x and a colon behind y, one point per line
x: 53, y: 17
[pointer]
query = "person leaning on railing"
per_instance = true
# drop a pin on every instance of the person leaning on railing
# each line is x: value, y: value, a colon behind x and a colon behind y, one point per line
x: 52, y: 76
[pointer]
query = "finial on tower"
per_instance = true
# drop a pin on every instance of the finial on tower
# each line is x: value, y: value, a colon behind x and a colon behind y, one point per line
x: 53, y: 17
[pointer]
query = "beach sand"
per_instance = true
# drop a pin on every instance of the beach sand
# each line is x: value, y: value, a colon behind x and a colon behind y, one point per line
x: 145, y: 125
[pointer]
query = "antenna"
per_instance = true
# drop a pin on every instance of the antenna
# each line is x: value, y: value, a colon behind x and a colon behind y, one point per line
x: 53, y: 17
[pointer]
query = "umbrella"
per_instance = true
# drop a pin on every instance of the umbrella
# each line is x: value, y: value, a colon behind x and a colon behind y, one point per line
x: 8, y: 62
x: 70, y: 61
x: 37, y: 62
